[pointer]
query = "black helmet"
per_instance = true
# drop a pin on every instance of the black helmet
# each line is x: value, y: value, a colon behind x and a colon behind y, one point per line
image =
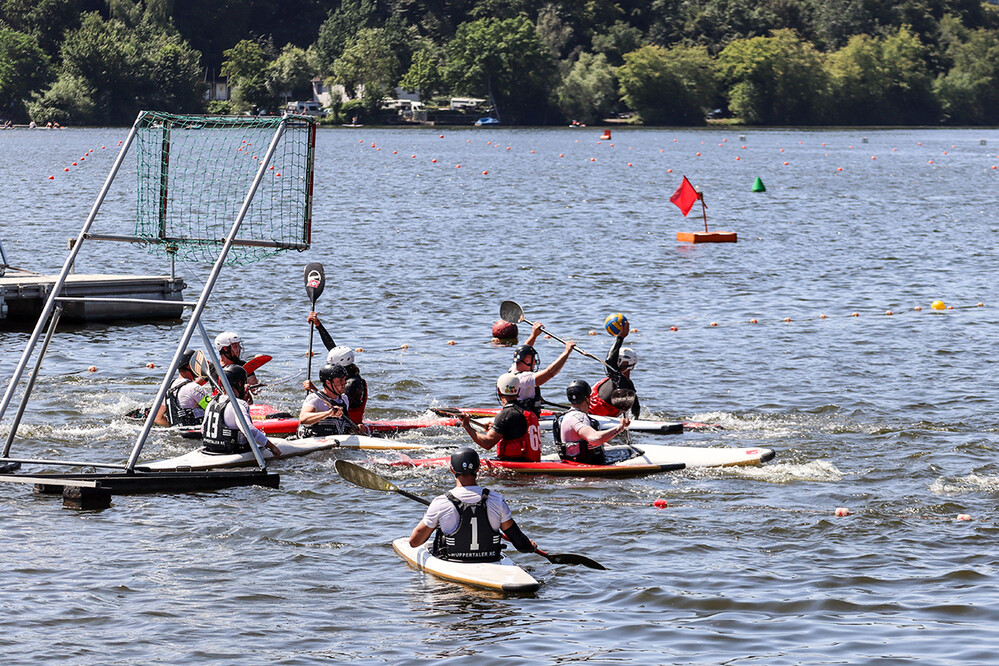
x: 332, y: 371
x: 465, y: 461
x: 577, y: 392
x: 523, y: 351
x: 185, y: 360
x: 237, y: 378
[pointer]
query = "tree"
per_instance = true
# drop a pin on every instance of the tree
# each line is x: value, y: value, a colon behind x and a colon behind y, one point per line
x: 24, y: 67
x: 675, y: 86
x: 290, y: 75
x: 882, y: 81
x: 339, y: 29
x: 425, y: 73
x: 504, y: 59
x: 588, y: 92
x: 969, y: 92
x: 367, y: 64
x: 619, y: 39
x: 777, y: 80
x: 246, y: 64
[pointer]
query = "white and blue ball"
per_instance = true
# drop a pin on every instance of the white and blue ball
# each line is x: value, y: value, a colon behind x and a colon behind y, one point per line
x: 614, y: 323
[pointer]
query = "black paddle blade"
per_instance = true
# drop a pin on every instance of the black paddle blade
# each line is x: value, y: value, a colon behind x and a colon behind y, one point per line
x: 512, y: 312
x: 315, y: 281
x: 200, y: 364
x: 622, y: 399
x: 450, y: 412
x: 571, y: 558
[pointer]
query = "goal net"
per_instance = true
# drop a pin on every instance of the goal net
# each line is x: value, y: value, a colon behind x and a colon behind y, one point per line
x: 195, y: 172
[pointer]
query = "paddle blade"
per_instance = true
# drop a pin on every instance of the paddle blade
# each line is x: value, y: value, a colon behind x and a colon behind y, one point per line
x: 255, y: 362
x: 571, y: 558
x: 449, y: 412
x: 622, y: 399
x: 200, y: 365
x: 315, y: 281
x: 363, y: 477
x: 512, y: 312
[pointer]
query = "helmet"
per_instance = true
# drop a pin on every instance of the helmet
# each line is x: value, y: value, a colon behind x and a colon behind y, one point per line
x: 341, y: 356
x: 577, y: 392
x: 331, y: 371
x: 627, y: 358
x: 236, y: 376
x: 465, y: 461
x: 185, y: 360
x: 523, y: 351
x: 508, y: 384
x: 226, y: 338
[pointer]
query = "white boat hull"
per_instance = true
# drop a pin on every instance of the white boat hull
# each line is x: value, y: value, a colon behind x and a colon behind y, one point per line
x: 502, y: 576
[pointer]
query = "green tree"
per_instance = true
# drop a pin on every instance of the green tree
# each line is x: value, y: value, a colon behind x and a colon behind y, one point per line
x: 24, y: 67
x: 620, y: 38
x: 69, y: 99
x: 882, y: 81
x: 504, y: 59
x: 777, y: 80
x: 969, y: 92
x: 589, y: 90
x: 246, y: 64
x: 339, y: 29
x: 675, y: 86
x: 425, y: 72
x: 367, y: 64
x: 46, y: 20
x: 290, y: 75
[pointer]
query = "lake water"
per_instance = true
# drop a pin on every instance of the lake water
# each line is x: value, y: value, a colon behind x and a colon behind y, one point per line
x: 893, y: 417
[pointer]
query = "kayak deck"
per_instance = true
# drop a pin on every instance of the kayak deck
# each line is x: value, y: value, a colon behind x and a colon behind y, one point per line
x: 503, y: 576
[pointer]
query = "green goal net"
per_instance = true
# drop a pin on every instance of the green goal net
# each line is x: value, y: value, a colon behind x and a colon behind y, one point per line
x: 195, y: 172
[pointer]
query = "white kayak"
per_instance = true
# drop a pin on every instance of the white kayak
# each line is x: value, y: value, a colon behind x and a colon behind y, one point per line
x: 200, y: 459
x: 502, y: 576
x: 621, y: 461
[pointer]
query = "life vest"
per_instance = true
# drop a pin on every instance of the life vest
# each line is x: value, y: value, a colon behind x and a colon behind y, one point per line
x: 527, y: 446
x: 338, y: 425
x: 475, y: 540
x: 177, y: 415
x: 357, y: 397
x: 216, y: 436
x: 598, y: 405
x: 577, y: 451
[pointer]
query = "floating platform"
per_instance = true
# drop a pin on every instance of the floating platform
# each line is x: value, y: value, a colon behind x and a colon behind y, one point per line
x: 706, y: 236
x: 22, y: 298
x: 94, y: 491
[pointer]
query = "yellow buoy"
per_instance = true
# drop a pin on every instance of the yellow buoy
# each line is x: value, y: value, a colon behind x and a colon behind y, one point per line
x: 938, y: 305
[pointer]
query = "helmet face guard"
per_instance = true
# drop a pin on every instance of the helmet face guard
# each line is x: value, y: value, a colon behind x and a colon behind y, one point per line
x: 577, y: 392
x: 525, y: 351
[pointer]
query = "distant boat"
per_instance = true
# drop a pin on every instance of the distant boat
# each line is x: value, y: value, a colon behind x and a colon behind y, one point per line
x: 486, y: 121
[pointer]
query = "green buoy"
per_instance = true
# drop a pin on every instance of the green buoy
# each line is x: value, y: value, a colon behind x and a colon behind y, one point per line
x: 758, y: 185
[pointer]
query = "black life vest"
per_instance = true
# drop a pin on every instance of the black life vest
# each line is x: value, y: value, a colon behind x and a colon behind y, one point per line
x: 177, y: 415
x: 217, y: 437
x: 356, y: 391
x: 475, y: 540
x: 329, y: 426
x: 577, y: 451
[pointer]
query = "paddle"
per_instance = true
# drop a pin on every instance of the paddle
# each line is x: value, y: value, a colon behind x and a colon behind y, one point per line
x: 354, y: 428
x: 451, y: 412
x: 511, y: 312
x: 315, y: 282
x: 623, y: 399
x: 202, y: 367
x: 368, y: 479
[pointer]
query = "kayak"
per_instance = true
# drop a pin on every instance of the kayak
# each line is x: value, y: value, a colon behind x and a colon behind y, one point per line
x: 502, y: 576
x: 284, y: 427
x: 622, y: 461
x: 604, y: 422
x: 200, y: 459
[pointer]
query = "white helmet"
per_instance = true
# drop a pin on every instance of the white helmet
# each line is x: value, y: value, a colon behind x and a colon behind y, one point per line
x: 627, y: 358
x: 226, y: 338
x: 342, y: 356
x: 508, y: 384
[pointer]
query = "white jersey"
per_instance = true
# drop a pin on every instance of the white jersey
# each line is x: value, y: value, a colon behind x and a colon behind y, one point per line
x: 230, y: 422
x: 528, y: 386
x: 441, y: 512
x: 571, y: 422
x: 325, y: 403
x: 190, y: 397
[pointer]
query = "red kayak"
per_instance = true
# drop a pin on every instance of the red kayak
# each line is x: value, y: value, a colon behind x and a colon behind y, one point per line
x: 283, y: 424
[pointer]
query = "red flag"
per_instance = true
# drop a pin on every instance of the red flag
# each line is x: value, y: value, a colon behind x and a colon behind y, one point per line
x: 684, y: 197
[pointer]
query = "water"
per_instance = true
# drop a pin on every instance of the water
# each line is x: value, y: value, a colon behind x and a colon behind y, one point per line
x: 892, y: 416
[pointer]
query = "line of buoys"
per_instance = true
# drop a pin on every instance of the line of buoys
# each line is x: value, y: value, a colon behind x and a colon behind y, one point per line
x: 936, y: 305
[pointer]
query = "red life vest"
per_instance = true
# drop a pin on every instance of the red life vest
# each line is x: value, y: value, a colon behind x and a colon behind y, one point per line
x: 527, y: 446
x: 597, y: 405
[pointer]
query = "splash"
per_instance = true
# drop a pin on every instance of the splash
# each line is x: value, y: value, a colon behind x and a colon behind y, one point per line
x: 965, y: 484
x: 821, y: 471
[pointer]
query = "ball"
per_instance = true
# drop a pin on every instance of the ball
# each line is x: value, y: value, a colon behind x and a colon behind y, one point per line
x: 504, y: 330
x: 614, y: 323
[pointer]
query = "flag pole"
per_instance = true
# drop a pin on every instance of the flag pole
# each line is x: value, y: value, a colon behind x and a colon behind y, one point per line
x: 704, y: 210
